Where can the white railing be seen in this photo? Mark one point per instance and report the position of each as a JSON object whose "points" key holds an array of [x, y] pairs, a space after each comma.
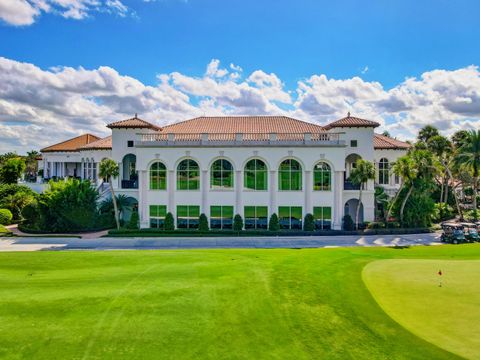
{"points": [[239, 138]]}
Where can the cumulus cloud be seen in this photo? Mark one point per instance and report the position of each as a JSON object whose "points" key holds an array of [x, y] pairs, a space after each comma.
{"points": [[25, 12], [42, 106]]}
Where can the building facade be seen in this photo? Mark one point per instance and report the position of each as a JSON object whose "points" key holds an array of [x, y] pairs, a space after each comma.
{"points": [[249, 165]]}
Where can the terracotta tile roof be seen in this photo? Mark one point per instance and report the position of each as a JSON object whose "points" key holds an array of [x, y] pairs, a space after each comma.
{"points": [[385, 142], [351, 121], [102, 144], [242, 124], [133, 123], [72, 144]]}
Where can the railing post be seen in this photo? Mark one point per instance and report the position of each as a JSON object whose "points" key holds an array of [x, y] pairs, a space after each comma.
{"points": [[204, 138], [307, 137], [272, 137], [238, 137]]}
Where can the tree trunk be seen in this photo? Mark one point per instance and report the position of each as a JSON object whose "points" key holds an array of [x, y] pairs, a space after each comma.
{"points": [[358, 207], [114, 199], [457, 203], [475, 192], [445, 196], [441, 190], [395, 198], [404, 202]]}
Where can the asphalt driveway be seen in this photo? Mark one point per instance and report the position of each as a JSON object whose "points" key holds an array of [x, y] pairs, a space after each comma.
{"points": [[44, 243]]}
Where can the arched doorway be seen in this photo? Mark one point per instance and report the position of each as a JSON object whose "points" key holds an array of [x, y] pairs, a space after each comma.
{"points": [[350, 164], [129, 172], [351, 209], [127, 207]]}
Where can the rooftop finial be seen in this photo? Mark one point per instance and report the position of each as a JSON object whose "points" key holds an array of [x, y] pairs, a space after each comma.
{"points": [[348, 114], [135, 115]]}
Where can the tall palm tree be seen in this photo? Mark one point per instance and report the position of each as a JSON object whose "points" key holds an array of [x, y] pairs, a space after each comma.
{"points": [[363, 172], [404, 168], [468, 156], [108, 170], [427, 132]]}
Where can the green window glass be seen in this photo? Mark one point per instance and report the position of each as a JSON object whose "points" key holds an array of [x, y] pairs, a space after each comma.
{"points": [[221, 175], [187, 216], [157, 216], [290, 217], [221, 217], [256, 217], [383, 172], [322, 177], [188, 175], [290, 175], [255, 175], [322, 216], [158, 176]]}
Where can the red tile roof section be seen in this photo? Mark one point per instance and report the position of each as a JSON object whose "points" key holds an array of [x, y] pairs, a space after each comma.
{"points": [[133, 123], [72, 144], [385, 142], [102, 144], [351, 121], [242, 124]]}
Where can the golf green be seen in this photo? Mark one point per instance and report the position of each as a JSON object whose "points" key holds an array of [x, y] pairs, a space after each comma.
{"points": [[438, 300], [211, 304]]}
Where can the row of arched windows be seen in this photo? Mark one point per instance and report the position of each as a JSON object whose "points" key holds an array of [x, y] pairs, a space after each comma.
{"points": [[255, 175]]}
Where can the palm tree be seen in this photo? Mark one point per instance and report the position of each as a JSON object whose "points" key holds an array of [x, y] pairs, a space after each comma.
{"points": [[427, 132], [404, 168], [468, 156], [108, 170], [363, 172]]}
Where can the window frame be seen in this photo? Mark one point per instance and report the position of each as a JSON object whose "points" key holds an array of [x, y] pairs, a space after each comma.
{"points": [[257, 175], [189, 179], [222, 172], [157, 173], [384, 172], [321, 173], [226, 221], [291, 209], [286, 176], [320, 219], [191, 217], [256, 218], [157, 216]]}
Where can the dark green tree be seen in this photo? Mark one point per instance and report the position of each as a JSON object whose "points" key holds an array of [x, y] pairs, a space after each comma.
{"points": [[203, 223], [12, 170], [169, 222], [237, 223], [134, 221], [309, 223], [273, 224]]}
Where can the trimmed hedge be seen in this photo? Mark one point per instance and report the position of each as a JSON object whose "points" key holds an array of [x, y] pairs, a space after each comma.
{"points": [[250, 233], [6, 216]]}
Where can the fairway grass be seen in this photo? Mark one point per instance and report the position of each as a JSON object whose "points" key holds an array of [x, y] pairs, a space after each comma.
{"points": [[205, 304], [447, 315]]}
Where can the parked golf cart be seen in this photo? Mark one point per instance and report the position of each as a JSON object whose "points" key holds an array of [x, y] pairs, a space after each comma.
{"points": [[452, 233], [471, 232]]}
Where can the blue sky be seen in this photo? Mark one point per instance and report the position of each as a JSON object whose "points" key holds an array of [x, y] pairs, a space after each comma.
{"points": [[379, 41]]}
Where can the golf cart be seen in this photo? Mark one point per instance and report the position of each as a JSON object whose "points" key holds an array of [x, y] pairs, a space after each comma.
{"points": [[452, 233], [471, 232]]}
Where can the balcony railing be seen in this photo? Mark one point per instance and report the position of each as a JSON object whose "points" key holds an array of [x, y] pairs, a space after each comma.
{"points": [[348, 185], [240, 139], [129, 184]]}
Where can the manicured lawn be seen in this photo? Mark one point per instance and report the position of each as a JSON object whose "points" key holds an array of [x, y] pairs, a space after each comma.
{"points": [[447, 315], [204, 304]]}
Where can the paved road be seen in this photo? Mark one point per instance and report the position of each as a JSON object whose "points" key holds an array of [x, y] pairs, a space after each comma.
{"points": [[42, 243]]}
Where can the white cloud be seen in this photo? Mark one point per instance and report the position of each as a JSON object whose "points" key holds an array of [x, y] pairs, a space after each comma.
{"points": [[25, 12], [41, 106]]}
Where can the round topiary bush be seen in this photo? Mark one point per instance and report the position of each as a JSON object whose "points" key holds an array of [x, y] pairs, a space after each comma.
{"points": [[203, 223], [237, 222], [169, 222], [309, 223], [348, 223], [273, 224], [5, 216]]}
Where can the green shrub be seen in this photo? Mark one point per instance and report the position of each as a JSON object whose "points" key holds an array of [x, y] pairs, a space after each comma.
{"points": [[273, 224], [376, 225], [169, 222], [5, 216], [237, 223], [442, 212], [30, 213], [12, 170], [134, 221], [348, 223], [471, 215], [202, 223], [309, 223], [392, 225]]}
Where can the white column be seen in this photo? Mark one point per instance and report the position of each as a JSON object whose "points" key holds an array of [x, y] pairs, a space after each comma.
{"points": [[338, 200], [171, 186], [45, 168], [120, 175], [308, 192], [142, 200], [238, 192], [204, 188], [273, 192]]}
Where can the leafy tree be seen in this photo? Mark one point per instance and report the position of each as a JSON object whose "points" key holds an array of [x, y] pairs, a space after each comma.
{"points": [[468, 157], [363, 172], [203, 222], [108, 169], [427, 132], [348, 223], [15, 197], [5, 216], [309, 223], [169, 222], [386, 133], [237, 223], [12, 170], [273, 223], [459, 138], [381, 201], [31, 164]]}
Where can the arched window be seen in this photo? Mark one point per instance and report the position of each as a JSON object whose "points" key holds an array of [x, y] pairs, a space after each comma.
{"points": [[188, 175], [158, 176], [255, 175], [290, 175], [322, 177], [383, 172], [221, 174]]}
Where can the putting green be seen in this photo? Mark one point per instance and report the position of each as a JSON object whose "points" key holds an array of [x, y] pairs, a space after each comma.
{"points": [[447, 315]]}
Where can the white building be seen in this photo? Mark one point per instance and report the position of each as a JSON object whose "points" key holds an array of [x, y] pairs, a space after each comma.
{"points": [[251, 165]]}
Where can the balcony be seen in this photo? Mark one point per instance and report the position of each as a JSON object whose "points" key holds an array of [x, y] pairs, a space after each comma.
{"points": [[129, 184], [240, 139], [348, 185]]}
